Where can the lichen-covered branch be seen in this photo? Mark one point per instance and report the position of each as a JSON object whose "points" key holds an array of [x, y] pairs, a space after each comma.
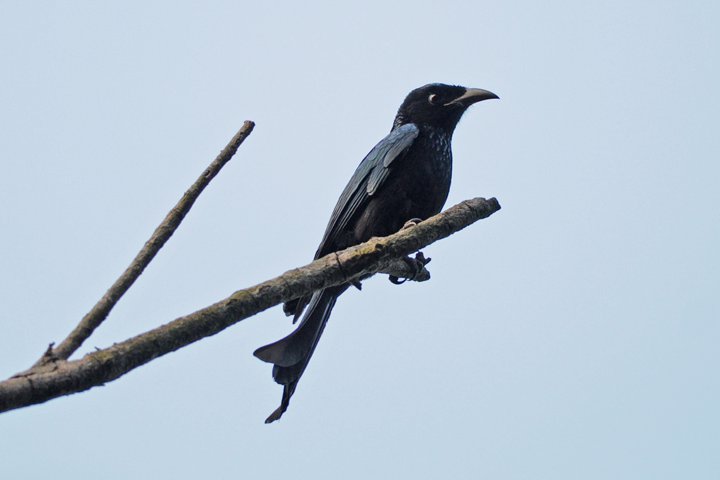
{"points": [[162, 234], [59, 377]]}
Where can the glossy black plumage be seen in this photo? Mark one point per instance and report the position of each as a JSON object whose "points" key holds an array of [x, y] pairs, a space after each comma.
{"points": [[405, 176]]}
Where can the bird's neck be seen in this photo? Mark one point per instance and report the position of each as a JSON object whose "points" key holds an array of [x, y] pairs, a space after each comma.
{"points": [[440, 139], [427, 129]]}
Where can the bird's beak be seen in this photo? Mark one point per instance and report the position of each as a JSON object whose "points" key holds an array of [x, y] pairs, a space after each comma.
{"points": [[472, 95]]}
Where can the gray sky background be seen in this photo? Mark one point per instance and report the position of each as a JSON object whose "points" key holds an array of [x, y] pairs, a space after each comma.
{"points": [[574, 334]]}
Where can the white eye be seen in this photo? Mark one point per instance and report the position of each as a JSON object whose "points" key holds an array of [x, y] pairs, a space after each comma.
{"points": [[432, 99]]}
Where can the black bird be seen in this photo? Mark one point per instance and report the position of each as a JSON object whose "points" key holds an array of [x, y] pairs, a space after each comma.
{"points": [[406, 176]]}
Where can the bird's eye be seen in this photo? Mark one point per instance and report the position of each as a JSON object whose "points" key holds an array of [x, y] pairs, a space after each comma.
{"points": [[432, 99]]}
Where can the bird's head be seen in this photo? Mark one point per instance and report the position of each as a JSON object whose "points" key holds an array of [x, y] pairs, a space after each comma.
{"points": [[439, 105]]}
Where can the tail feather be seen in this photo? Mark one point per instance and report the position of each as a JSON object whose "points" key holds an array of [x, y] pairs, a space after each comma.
{"points": [[292, 354], [288, 391], [295, 347]]}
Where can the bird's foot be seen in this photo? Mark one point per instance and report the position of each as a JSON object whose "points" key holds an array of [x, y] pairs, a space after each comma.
{"points": [[411, 223], [417, 269]]}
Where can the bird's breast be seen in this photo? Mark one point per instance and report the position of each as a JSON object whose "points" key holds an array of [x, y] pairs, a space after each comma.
{"points": [[429, 171]]}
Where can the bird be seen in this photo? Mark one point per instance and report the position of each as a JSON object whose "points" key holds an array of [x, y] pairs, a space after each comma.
{"points": [[405, 177]]}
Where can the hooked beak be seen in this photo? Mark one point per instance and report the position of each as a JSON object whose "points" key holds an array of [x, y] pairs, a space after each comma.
{"points": [[472, 95]]}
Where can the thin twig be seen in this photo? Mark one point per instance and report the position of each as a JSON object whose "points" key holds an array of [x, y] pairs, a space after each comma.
{"points": [[162, 234], [62, 377]]}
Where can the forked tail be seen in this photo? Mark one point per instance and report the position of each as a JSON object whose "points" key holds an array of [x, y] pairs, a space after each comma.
{"points": [[291, 354]]}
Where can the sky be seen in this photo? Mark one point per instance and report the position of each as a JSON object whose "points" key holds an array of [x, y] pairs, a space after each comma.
{"points": [[573, 334]]}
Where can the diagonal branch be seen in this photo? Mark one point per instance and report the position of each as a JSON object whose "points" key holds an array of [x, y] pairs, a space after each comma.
{"points": [[162, 234], [61, 377]]}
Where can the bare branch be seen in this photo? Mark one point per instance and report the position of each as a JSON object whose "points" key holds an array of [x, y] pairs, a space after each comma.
{"points": [[61, 377], [162, 234]]}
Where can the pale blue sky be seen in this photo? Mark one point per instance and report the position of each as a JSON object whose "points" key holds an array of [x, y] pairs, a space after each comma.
{"points": [[574, 334]]}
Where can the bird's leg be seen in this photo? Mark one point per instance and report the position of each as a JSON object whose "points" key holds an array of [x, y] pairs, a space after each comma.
{"points": [[415, 265]]}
